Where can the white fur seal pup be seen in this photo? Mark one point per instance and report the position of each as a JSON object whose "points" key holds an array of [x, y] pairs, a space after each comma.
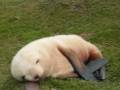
{"points": [[45, 57]]}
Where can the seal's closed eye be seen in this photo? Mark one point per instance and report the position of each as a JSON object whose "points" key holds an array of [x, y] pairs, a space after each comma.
{"points": [[37, 61]]}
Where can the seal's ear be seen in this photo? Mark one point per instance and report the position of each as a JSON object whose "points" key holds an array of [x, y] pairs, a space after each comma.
{"points": [[73, 59]]}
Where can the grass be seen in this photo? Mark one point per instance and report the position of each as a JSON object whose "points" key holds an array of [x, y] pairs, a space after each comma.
{"points": [[22, 21]]}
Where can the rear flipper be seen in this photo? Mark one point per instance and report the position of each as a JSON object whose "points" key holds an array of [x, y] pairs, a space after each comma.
{"points": [[85, 71], [100, 74], [95, 70]]}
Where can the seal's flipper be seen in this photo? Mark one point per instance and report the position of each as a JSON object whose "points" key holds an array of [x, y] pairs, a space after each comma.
{"points": [[94, 70], [83, 71], [100, 73], [103, 73], [94, 65], [74, 60], [79, 67], [97, 67]]}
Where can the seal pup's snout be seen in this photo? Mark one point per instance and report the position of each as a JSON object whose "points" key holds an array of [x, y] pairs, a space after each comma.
{"points": [[36, 78]]}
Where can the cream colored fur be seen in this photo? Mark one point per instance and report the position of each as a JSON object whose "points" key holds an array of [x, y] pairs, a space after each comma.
{"points": [[52, 63]]}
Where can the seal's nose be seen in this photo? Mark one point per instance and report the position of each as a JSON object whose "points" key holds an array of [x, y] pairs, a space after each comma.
{"points": [[36, 77]]}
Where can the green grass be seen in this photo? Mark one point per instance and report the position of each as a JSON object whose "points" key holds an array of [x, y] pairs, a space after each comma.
{"points": [[22, 21]]}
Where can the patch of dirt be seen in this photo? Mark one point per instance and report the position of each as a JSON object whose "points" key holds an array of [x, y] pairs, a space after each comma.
{"points": [[86, 35]]}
